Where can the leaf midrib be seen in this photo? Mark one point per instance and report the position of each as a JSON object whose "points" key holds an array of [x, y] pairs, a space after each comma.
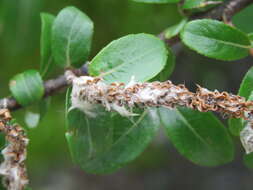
{"points": [[125, 134], [192, 129], [221, 41], [69, 39], [27, 88], [129, 61]]}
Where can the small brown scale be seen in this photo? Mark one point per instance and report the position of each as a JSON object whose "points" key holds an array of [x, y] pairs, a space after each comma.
{"points": [[202, 100]]}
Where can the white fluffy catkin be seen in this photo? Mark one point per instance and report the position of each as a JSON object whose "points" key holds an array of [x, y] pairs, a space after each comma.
{"points": [[89, 91]]}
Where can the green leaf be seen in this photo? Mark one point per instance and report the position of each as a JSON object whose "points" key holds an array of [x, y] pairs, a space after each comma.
{"points": [[193, 4], [245, 90], [175, 29], [27, 87], [68, 101], [109, 141], [246, 86], [2, 142], [44, 106], [106, 143], [240, 19], [157, 1], [87, 137], [215, 39], [140, 55], [250, 35], [235, 126], [71, 37], [46, 62], [200, 137], [167, 70]]}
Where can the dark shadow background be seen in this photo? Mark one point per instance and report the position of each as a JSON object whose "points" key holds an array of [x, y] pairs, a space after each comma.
{"points": [[160, 167]]}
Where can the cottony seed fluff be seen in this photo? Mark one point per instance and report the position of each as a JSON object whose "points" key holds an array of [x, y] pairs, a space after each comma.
{"points": [[88, 91]]}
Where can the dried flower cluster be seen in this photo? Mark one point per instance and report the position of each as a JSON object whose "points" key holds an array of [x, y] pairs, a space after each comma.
{"points": [[13, 167], [119, 97], [88, 91]]}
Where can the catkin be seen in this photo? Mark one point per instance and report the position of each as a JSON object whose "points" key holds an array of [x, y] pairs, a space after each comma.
{"points": [[88, 91]]}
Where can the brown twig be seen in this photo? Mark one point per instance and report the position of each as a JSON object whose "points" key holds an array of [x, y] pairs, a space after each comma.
{"points": [[224, 12], [51, 87], [229, 8]]}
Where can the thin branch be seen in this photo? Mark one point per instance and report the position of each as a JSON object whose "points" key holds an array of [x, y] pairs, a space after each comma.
{"points": [[229, 8], [223, 12], [53, 86]]}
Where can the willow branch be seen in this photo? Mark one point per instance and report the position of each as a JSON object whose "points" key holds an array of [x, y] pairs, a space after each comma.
{"points": [[53, 86], [224, 12]]}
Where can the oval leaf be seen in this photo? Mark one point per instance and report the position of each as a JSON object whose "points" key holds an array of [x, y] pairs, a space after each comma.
{"points": [[195, 4], [167, 70], [27, 87], [174, 30], [128, 56], [251, 38], [157, 1], [71, 37], [200, 137], [45, 43], [235, 126], [107, 142], [245, 90], [246, 86], [215, 39]]}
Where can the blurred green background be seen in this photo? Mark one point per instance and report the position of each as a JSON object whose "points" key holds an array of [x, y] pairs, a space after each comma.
{"points": [[160, 166]]}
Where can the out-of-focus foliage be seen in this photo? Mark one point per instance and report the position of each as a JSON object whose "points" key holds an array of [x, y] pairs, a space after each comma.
{"points": [[20, 27], [242, 19], [19, 50]]}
